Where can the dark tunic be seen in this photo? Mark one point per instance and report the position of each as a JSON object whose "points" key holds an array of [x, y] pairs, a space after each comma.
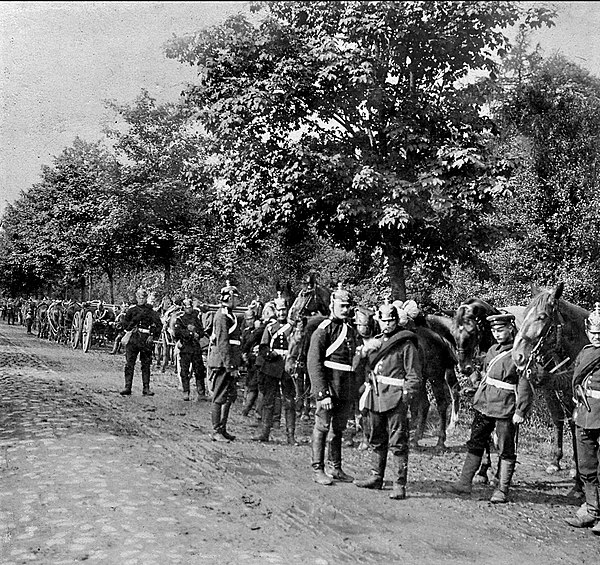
{"points": [[587, 374]]}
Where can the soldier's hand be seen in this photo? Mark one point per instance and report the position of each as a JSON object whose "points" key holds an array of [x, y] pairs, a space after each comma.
{"points": [[326, 403], [517, 419]]}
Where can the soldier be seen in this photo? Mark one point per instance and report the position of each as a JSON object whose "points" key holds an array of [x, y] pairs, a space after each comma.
{"points": [[251, 338], [274, 379], [586, 416], [329, 365], [188, 333], [142, 326], [502, 401], [224, 359], [393, 376]]}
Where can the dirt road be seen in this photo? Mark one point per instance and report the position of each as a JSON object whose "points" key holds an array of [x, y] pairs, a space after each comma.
{"points": [[87, 475]]}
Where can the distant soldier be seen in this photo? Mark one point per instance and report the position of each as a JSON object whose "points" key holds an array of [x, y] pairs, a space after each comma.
{"points": [[142, 326], [188, 333], [393, 376], [329, 365], [586, 385], [224, 360], [274, 379], [251, 337]]}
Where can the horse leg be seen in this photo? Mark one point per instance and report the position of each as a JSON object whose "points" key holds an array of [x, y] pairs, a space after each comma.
{"points": [[440, 393], [419, 410], [558, 416]]}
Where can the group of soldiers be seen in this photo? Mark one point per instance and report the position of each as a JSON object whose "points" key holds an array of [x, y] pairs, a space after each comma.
{"points": [[355, 362]]}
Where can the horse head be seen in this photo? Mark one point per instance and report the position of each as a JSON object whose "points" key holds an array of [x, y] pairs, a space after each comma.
{"points": [[471, 332], [552, 332]]}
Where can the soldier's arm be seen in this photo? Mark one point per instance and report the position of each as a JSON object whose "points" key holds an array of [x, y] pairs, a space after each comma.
{"points": [[315, 366], [412, 368]]}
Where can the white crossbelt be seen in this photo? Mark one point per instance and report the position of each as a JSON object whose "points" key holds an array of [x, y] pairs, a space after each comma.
{"points": [[235, 342], [338, 366], [592, 393], [501, 384], [389, 380], [282, 352]]}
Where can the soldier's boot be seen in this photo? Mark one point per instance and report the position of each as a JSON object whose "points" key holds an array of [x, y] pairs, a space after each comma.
{"points": [[589, 512], [224, 417], [290, 424], [128, 384], [266, 424], [249, 400], [201, 387], [464, 485], [375, 481], [399, 488], [500, 494], [146, 384], [335, 470], [319, 439], [215, 415], [258, 409]]}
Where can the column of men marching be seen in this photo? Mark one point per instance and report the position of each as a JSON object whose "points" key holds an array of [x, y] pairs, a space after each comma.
{"points": [[350, 364]]}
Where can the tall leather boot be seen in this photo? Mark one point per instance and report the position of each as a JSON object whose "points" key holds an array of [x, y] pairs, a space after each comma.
{"points": [[215, 415], [290, 424], [266, 424], [589, 511], [277, 412], [335, 461], [375, 481], [507, 468], [128, 384], [399, 488], [224, 417], [319, 440], [464, 485]]}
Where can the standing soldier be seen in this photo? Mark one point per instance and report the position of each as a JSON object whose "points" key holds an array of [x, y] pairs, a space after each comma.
{"points": [[586, 385], [501, 402], [251, 338], [188, 332], [329, 365], [224, 359], [142, 326], [393, 376], [273, 376]]}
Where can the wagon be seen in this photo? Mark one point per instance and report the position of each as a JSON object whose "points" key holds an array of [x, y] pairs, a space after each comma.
{"points": [[87, 329]]}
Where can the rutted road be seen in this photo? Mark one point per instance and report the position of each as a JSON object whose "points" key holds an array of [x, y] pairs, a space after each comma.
{"points": [[90, 475]]}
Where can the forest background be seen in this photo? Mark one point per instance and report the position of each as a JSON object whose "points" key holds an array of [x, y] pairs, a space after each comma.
{"points": [[407, 149]]}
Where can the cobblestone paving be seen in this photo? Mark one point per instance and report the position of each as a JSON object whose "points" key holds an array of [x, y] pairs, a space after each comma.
{"points": [[74, 490]]}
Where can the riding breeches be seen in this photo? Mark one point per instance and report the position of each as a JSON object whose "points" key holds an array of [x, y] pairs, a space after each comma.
{"points": [[588, 454], [481, 433], [389, 431]]}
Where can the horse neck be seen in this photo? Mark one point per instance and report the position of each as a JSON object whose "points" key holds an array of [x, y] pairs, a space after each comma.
{"points": [[573, 336]]}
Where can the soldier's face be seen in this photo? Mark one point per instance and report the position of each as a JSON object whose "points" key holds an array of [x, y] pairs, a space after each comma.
{"points": [[502, 334], [281, 314], [141, 299], [594, 338], [389, 325], [341, 309]]}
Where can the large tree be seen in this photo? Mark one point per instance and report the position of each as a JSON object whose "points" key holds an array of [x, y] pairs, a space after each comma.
{"points": [[357, 118]]}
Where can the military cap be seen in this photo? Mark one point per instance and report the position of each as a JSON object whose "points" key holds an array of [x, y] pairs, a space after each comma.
{"points": [[142, 293], [592, 324], [501, 320]]}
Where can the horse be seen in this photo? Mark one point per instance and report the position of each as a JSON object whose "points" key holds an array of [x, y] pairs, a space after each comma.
{"points": [[54, 315], [165, 347], [41, 320], [550, 337]]}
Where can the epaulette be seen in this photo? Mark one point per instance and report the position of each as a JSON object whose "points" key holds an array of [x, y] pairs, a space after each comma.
{"points": [[324, 324]]}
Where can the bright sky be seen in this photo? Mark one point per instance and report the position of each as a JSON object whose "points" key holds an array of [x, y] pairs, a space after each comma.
{"points": [[60, 60]]}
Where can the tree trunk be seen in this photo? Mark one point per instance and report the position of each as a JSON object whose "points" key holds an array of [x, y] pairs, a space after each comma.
{"points": [[111, 284], [395, 271], [168, 278]]}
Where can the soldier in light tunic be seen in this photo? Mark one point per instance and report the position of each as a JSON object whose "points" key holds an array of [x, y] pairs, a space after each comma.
{"points": [[586, 387], [329, 365]]}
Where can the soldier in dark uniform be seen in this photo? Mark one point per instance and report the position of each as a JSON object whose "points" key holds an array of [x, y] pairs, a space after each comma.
{"points": [[586, 386], [188, 332], [502, 401], [274, 379], [224, 360], [393, 376], [251, 338], [329, 365], [142, 326]]}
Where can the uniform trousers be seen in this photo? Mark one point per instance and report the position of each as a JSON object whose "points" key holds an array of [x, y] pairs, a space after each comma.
{"points": [[190, 363], [132, 350], [588, 454], [389, 431], [481, 433]]}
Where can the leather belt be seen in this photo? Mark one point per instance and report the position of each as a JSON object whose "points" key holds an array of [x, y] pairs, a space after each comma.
{"points": [[389, 380], [592, 393], [142, 330], [338, 366], [500, 384], [235, 342]]}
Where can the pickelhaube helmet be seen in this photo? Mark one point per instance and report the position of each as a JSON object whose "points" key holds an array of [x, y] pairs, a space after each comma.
{"points": [[280, 302], [592, 324], [228, 291], [390, 311], [341, 295]]}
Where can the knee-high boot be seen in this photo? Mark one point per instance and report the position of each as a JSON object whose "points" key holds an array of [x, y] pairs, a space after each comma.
{"points": [[290, 424], [464, 485], [266, 424], [319, 439], [335, 460], [507, 468], [215, 415], [375, 481], [399, 488], [224, 416]]}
